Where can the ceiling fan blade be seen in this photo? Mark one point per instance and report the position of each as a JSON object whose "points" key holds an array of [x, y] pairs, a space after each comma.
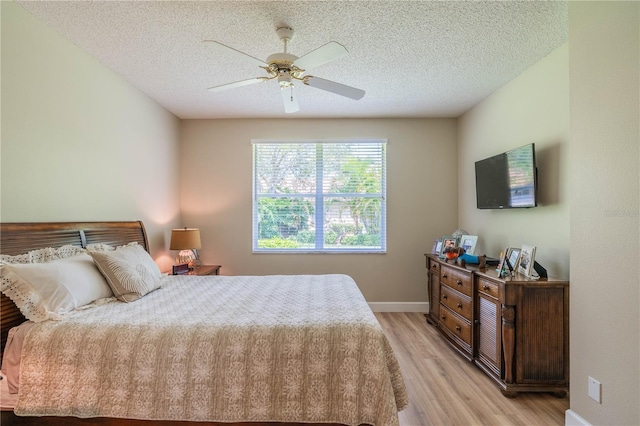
{"points": [[290, 99], [321, 56], [236, 84], [333, 87], [238, 54]]}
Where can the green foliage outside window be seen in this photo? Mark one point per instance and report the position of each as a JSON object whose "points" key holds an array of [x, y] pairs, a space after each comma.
{"points": [[283, 217]]}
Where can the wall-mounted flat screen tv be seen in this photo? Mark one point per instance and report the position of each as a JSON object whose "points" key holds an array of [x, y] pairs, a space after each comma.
{"points": [[507, 180]]}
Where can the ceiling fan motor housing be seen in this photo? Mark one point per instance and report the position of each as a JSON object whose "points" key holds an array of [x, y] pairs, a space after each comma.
{"points": [[281, 60], [281, 64]]}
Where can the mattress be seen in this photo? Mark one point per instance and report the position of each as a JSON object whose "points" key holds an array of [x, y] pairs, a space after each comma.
{"points": [[288, 348]]}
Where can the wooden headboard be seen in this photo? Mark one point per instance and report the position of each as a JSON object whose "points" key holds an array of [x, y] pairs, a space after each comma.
{"points": [[19, 238]]}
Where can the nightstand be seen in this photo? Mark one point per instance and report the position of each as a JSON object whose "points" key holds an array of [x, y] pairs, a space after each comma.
{"points": [[206, 270]]}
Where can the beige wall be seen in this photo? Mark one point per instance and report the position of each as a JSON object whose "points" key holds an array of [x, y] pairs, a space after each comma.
{"points": [[216, 171], [532, 108], [605, 280], [78, 142]]}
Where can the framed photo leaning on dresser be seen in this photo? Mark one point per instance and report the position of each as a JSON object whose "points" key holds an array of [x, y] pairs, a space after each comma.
{"points": [[527, 257], [448, 241], [503, 255], [509, 264], [468, 243], [437, 246]]}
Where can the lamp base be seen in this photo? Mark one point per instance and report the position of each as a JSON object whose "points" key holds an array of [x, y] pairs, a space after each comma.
{"points": [[187, 256]]}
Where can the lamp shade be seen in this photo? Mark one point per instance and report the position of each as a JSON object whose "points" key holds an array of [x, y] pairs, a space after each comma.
{"points": [[185, 239]]}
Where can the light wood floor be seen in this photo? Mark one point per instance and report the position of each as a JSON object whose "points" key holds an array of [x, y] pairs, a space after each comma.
{"points": [[446, 389]]}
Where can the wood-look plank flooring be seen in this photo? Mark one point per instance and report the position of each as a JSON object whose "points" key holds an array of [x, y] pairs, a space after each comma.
{"points": [[446, 389]]}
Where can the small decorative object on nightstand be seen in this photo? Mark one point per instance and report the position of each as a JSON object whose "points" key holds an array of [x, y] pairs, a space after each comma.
{"points": [[206, 270], [180, 269]]}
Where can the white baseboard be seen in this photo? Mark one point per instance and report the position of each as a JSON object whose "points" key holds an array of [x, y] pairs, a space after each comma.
{"points": [[571, 418], [399, 306]]}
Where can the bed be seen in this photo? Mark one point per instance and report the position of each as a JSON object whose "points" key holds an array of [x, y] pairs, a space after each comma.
{"points": [[289, 349]]}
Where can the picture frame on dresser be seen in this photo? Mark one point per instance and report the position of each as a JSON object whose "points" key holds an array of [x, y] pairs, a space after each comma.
{"points": [[468, 243], [527, 259], [437, 246], [448, 241], [511, 259], [503, 256]]}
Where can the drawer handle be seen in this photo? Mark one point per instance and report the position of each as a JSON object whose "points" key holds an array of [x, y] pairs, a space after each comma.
{"points": [[444, 296], [443, 317], [444, 276], [459, 282], [460, 305], [485, 287], [433, 266], [458, 328]]}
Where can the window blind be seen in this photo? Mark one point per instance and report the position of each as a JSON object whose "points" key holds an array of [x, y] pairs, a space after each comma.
{"points": [[319, 196]]}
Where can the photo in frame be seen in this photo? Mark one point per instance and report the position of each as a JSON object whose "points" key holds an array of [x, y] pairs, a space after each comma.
{"points": [[468, 243], [448, 241], [511, 258], [437, 246], [527, 257], [503, 256]]}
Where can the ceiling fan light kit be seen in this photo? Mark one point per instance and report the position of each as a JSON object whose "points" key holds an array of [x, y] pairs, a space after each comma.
{"points": [[287, 68]]}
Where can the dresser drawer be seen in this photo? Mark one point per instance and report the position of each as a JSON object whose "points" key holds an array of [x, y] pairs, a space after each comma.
{"points": [[459, 280], [488, 287], [456, 302], [456, 325], [434, 266]]}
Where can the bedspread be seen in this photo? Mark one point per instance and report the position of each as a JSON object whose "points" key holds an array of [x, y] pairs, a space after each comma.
{"points": [[288, 348]]}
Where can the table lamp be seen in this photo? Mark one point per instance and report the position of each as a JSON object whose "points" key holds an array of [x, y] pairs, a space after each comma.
{"points": [[187, 240]]}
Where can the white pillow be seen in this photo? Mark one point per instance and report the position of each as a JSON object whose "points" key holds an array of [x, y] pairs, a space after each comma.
{"points": [[129, 270], [42, 255], [48, 290]]}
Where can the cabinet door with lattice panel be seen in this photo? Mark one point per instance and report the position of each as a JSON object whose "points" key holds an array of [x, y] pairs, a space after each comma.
{"points": [[488, 327]]}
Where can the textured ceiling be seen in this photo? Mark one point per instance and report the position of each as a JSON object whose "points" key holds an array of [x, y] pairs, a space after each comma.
{"points": [[413, 58]]}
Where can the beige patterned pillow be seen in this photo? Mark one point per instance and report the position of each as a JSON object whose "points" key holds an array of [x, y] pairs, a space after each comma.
{"points": [[129, 270]]}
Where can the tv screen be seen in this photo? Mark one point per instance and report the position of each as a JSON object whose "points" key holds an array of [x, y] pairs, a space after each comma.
{"points": [[507, 180]]}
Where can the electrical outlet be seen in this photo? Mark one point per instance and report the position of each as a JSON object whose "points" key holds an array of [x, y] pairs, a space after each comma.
{"points": [[595, 390]]}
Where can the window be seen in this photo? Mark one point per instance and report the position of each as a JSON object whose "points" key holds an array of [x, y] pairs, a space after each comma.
{"points": [[319, 196]]}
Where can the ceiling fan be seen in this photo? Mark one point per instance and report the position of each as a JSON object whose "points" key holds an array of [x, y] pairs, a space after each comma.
{"points": [[288, 68]]}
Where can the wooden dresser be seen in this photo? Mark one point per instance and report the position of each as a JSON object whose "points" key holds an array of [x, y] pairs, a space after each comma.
{"points": [[515, 329]]}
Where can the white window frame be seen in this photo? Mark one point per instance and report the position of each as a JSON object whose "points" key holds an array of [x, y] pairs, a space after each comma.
{"points": [[319, 197]]}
